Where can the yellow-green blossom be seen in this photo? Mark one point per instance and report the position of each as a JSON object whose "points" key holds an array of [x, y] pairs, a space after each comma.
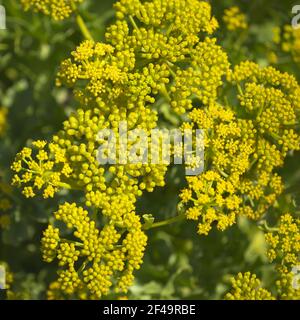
{"points": [[234, 19], [57, 9], [246, 286], [284, 242], [99, 258]]}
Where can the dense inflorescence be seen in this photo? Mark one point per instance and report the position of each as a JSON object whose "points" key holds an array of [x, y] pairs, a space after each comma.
{"points": [[247, 287], [244, 145], [57, 9], [161, 53], [288, 285], [288, 40], [111, 252], [234, 19], [284, 242], [284, 250], [145, 56], [155, 49]]}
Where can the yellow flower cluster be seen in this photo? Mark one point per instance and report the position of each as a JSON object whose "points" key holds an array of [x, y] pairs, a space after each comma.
{"points": [[217, 195], [246, 286], [290, 42], [234, 19], [106, 75], [163, 36], [41, 170], [284, 243], [97, 256], [272, 99], [167, 34], [156, 50], [234, 182], [200, 80], [54, 292], [71, 162], [57, 9], [288, 286], [102, 72], [284, 249], [153, 48], [161, 50], [185, 17], [244, 144]]}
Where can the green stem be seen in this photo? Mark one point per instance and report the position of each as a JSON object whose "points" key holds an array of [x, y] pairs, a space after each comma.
{"points": [[252, 163], [133, 23], [240, 90], [68, 185], [170, 67], [81, 24], [165, 92], [166, 222], [222, 173], [65, 185], [83, 28], [169, 30], [76, 243], [94, 215], [264, 226], [82, 266], [291, 123]]}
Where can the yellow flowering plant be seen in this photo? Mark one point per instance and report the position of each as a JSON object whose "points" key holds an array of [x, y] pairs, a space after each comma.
{"points": [[159, 65]]}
